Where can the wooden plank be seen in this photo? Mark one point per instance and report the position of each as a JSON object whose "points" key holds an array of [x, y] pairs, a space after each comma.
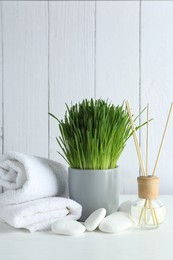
{"points": [[1, 83], [117, 69], [71, 58], [157, 82], [1, 86], [25, 52]]}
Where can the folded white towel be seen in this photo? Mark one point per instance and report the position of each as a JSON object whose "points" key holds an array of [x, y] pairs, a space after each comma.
{"points": [[27, 178], [40, 214]]}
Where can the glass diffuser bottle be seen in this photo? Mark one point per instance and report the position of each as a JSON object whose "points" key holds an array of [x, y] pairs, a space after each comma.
{"points": [[147, 211]]}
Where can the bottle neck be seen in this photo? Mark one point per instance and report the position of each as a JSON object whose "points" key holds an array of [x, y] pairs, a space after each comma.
{"points": [[148, 187]]}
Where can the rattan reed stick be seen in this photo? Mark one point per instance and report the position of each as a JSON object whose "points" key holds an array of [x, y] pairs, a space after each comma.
{"points": [[161, 144], [142, 211], [155, 214], [135, 139], [146, 212], [152, 213], [147, 140]]}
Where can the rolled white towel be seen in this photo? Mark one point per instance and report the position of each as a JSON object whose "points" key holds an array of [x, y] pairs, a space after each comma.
{"points": [[27, 178], [40, 214]]}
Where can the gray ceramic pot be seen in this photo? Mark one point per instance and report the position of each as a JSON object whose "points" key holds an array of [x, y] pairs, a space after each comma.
{"points": [[94, 189]]}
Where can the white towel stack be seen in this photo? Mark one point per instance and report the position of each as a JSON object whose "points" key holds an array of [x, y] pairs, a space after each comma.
{"points": [[30, 183]]}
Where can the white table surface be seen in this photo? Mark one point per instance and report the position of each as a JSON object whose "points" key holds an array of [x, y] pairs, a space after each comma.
{"points": [[133, 244]]}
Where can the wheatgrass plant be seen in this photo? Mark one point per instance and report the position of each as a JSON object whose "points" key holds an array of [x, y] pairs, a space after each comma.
{"points": [[93, 134]]}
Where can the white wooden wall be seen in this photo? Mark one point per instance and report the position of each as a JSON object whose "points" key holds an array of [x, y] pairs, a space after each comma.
{"points": [[52, 53]]}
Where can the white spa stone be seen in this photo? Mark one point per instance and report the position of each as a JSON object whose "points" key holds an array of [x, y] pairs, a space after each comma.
{"points": [[126, 206], [67, 227], [116, 222], [93, 221]]}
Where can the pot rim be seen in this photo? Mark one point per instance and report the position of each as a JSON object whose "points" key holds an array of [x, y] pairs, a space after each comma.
{"points": [[94, 170]]}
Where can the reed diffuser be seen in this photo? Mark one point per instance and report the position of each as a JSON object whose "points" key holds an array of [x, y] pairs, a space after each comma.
{"points": [[147, 211]]}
